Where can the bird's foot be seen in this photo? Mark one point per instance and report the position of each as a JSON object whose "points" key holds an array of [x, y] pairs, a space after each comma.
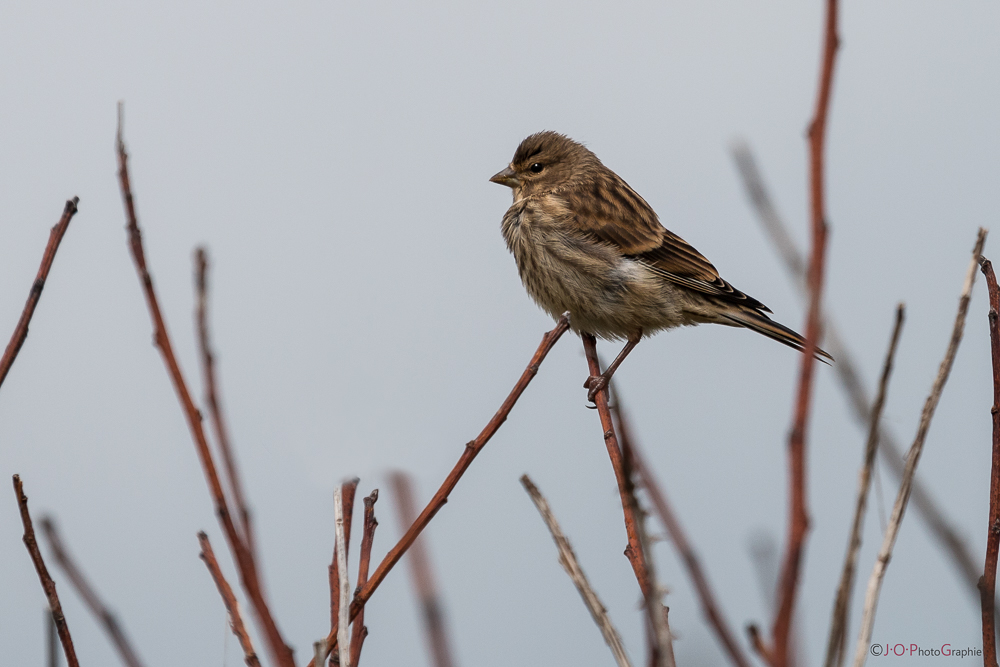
{"points": [[595, 383]]}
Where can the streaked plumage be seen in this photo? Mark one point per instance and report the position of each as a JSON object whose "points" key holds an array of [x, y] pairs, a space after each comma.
{"points": [[587, 243]]}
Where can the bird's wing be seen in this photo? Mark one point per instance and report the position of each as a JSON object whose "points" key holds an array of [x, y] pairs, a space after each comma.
{"points": [[611, 211]]}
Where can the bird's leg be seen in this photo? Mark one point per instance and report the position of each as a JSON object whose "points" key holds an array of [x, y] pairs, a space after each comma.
{"points": [[595, 383]]}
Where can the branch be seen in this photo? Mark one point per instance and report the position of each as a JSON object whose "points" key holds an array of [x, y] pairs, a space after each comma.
{"points": [[567, 558], [232, 606], [798, 524], [472, 448], [837, 645], [710, 607], [421, 575], [635, 551], [359, 631], [48, 585], [660, 639], [214, 411], [347, 491], [912, 458], [338, 504], [988, 582], [280, 652], [89, 595], [21, 330], [941, 528]]}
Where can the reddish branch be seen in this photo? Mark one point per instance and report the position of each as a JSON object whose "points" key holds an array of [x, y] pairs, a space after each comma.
{"points": [[422, 576], [710, 607], [359, 631], [634, 551], [988, 582], [89, 595], [236, 622], [472, 449], [214, 411], [21, 330], [798, 524], [941, 527], [280, 652], [48, 585]]}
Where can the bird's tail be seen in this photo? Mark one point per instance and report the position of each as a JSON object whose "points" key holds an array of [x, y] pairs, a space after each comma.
{"points": [[762, 324]]}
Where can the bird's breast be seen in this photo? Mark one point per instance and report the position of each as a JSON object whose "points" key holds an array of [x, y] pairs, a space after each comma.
{"points": [[564, 269]]}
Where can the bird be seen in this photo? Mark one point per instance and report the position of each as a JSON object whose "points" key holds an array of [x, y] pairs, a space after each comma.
{"points": [[586, 243]]}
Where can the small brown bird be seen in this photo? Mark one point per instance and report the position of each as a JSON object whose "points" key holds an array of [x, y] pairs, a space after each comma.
{"points": [[587, 243]]}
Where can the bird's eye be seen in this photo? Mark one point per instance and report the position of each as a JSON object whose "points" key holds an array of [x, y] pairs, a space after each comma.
{"points": [[536, 168]]}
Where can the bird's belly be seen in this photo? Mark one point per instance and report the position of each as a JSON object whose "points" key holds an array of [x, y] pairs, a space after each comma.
{"points": [[605, 293]]}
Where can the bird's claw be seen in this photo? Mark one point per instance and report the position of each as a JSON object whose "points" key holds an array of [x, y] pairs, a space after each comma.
{"points": [[594, 384]]}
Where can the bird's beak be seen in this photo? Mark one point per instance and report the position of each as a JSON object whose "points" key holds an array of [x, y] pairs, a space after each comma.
{"points": [[507, 177]]}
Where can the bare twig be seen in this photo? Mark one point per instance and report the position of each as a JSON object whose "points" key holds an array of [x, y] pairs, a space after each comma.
{"points": [[212, 401], [798, 524], [232, 606], [89, 595], [472, 448], [988, 582], [710, 607], [280, 652], [635, 551], [347, 491], [342, 641], [48, 585], [567, 558], [660, 639], [912, 458], [421, 576], [21, 330], [837, 644], [954, 545], [358, 630]]}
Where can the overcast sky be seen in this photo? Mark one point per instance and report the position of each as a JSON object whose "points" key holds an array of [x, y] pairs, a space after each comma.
{"points": [[334, 158]]}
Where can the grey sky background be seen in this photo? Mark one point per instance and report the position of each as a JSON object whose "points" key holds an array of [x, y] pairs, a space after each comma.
{"points": [[367, 316]]}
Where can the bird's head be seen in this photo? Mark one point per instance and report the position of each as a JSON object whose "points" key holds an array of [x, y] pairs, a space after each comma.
{"points": [[546, 161]]}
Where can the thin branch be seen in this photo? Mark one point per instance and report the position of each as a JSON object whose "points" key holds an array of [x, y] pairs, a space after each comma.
{"points": [[836, 648], [21, 330], [104, 615], [988, 582], [280, 652], [567, 558], [232, 606], [710, 607], [421, 575], [215, 412], [347, 492], [338, 504], [472, 448], [48, 585], [660, 640], [912, 458], [635, 551], [358, 630], [954, 545], [798, 523]]}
